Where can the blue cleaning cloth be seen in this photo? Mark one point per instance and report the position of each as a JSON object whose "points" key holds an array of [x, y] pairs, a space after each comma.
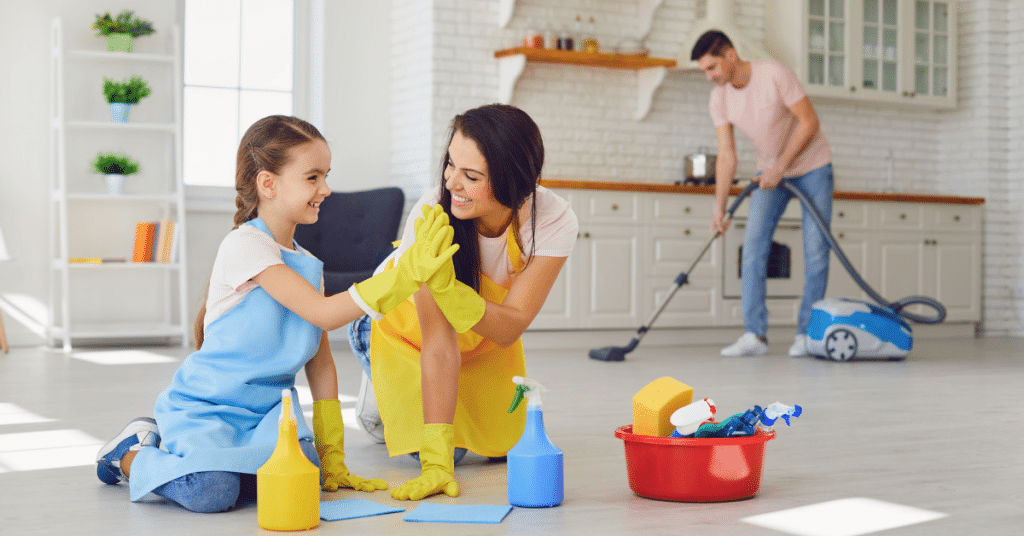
{"points": [[447, 513], [353, 508]]}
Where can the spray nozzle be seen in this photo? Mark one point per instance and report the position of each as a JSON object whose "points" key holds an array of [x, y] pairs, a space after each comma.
{"points": [[286, 407], [526, 387]]}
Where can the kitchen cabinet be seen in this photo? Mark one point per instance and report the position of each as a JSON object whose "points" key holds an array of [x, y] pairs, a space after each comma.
{"points": [[930, 250], [673, 239], [632, 245], [599, 287], [885, 51]]}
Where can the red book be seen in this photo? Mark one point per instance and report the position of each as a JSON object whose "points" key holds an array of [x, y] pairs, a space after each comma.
{"points": [[145, 233]]}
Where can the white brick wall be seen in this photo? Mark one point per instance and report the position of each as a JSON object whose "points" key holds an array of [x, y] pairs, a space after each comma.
{"points": [[586, 114]]}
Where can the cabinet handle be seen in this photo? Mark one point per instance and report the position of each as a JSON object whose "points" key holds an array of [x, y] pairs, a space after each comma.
{"points": [[686, 210], [842, 236], [842, 214], [586, 235], [853, 88], [615, 207], [903, 216], [686, 232], [956, 218], [931, 242]]}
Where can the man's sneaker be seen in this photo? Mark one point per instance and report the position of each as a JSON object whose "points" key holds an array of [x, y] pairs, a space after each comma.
{"points": [[799, 348], [367, 414], [141, 432], [747, 344]]}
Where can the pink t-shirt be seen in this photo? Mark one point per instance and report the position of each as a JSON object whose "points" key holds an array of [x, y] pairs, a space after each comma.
{"points": [[761, 111]]}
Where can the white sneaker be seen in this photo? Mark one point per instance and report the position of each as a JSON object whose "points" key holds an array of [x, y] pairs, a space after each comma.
{"points": [[747, 344], [799, 348], [367, 414]]}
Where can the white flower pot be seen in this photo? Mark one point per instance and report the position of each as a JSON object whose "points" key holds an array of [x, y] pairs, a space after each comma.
{"points": [[116, 183]]}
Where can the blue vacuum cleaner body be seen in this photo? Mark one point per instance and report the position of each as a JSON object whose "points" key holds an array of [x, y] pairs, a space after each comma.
{"points": [[844, 328]]}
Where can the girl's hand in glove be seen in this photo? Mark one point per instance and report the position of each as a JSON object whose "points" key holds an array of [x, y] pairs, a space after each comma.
{"points": [[329, 435]]}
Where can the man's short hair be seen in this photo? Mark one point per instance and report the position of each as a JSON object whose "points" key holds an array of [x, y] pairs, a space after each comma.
{"points": [[713, 42]]}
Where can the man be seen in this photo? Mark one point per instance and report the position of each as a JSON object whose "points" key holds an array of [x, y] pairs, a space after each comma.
{"points": [[765, 101]]}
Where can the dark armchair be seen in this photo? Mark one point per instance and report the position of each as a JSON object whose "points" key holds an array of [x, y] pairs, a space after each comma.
{"points": [[353, 235]]}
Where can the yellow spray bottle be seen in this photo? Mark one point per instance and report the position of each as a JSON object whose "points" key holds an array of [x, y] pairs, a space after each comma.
{"points": [[288, 485]]}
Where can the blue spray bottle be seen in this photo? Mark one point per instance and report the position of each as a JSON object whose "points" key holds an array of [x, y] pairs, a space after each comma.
{"points": [[535, 463]]}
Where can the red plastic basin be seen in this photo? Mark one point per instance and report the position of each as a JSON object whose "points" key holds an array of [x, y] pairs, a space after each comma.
{"points": [[694, 470]]}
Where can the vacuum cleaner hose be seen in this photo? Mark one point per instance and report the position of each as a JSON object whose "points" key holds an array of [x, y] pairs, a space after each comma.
{"points": [[897, 306]]}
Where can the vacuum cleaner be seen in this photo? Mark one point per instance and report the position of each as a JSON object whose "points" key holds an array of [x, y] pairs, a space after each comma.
{"points": [[840, 328]]}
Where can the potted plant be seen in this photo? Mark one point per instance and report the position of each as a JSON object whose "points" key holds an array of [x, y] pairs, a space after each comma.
{"points": [[120, 30], [115, 168], [121, 95]]}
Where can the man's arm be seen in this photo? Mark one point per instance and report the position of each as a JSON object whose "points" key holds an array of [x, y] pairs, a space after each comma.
{"points": [[725, 172]]}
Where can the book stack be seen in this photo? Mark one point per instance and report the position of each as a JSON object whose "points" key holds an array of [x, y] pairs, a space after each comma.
{"points": [[156, 241]]}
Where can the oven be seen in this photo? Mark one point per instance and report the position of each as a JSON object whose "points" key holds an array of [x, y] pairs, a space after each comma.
{"points": [[785, 263]]}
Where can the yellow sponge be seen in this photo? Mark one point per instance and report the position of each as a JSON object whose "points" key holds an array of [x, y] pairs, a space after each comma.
{"points": [[654, 404]]}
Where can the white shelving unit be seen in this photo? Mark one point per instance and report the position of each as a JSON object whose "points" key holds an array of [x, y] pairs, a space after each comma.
{"points": [[116, 300]]}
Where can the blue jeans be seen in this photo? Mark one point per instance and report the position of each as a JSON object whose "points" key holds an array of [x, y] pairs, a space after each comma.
{"points": [[216, 491], [766, 208], [359, 340]]}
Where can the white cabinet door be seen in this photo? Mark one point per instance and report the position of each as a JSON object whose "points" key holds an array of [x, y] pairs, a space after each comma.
{"points": [[670, 250], [558, 311], [953, 276], [855, 246], [609, 289]]}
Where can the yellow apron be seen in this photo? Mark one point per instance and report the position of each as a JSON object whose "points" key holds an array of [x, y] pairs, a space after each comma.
{"points": [[482, 423]]}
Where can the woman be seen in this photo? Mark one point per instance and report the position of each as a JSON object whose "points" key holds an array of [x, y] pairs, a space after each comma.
{"points": [[442, 363]]}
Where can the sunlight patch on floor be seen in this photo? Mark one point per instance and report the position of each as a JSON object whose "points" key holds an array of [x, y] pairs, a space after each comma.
{"points": [[843, 517], [31, 451], [122, 357]]}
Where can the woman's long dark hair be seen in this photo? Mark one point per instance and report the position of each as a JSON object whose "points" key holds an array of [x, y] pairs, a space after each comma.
{"points": [[512, 147]]}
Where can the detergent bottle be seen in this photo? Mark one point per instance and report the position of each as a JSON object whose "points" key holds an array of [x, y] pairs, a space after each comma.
{"points": [[288, 485], [534, 463]]}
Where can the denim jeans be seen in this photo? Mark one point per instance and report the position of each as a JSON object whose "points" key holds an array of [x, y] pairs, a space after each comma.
{"points": [[359, 340], [216, 491], [766, 208]]}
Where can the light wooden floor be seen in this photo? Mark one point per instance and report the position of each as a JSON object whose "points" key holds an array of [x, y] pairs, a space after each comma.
{"points": [[941, 431]]}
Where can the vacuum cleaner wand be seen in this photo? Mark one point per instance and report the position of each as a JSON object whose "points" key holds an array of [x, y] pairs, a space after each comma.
{"points": [[618, 353]]}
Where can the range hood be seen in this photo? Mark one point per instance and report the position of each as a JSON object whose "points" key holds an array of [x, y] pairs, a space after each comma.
{"points": [[720, 16]]}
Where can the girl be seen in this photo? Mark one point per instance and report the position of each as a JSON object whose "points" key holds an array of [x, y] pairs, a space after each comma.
{"points": [[263, 321], [442, 364]]}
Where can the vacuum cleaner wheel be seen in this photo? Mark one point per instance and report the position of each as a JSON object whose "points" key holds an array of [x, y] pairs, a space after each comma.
{"points": [[841, 345]]}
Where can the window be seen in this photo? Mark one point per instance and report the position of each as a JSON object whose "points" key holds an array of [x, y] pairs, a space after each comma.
{"points": [[239, 66]]}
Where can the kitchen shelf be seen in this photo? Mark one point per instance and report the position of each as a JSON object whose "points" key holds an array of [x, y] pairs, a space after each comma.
{"points": [[650, 71], [611, 61]]}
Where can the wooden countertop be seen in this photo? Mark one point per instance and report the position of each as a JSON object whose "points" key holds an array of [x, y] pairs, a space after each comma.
{"points": [[710, 190]]}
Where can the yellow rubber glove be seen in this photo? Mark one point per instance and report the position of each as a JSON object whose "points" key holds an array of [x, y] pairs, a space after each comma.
{"points": [[461, 305], [432, 250], [329, 435], [438, 467]]}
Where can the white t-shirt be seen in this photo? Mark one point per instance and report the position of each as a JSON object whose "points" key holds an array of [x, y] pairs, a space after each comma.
{"points": [[556, 234], [243, 254]]}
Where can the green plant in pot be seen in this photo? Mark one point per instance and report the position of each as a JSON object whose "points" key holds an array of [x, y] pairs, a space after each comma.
{"points": [[120, 30], [115, 168], [121, 95]]}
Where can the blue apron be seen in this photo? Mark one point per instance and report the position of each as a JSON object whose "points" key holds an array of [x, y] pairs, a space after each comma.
{"points": [[221, 410]]}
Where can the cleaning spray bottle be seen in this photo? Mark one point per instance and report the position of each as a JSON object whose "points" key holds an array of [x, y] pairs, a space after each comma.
{"points": [[535, 463], [288, 485]]}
